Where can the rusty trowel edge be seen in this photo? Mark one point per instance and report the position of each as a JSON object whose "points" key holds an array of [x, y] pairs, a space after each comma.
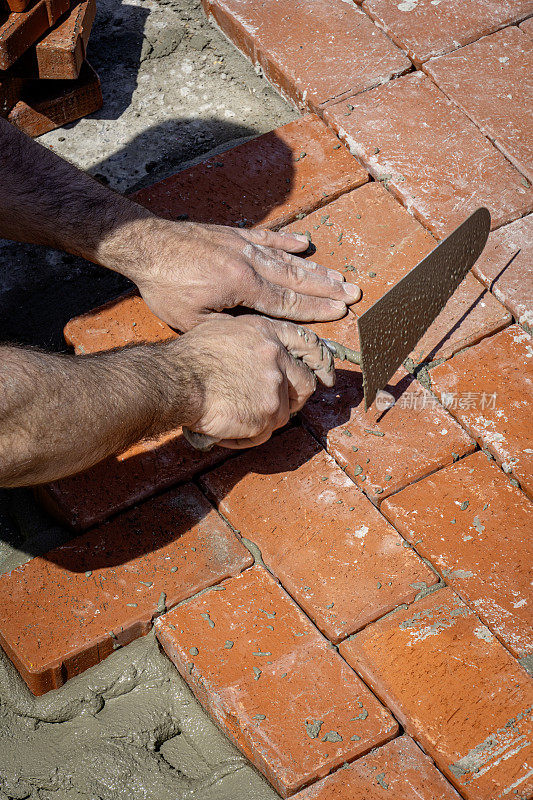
{"points": [[480, 223]]}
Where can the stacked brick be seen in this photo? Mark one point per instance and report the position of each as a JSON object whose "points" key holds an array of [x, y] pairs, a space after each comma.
{"points": [[45, 79], [364, 574]]}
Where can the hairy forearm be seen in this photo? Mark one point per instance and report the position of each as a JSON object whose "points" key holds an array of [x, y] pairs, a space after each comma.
{"points": [[60, 414], [48, 201]]}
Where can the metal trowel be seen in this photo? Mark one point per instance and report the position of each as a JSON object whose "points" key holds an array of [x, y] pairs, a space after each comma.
{"points": [[394, 324]]}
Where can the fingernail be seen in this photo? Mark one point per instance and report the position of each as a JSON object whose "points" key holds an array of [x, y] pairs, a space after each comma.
{"points": [[338, 305], [353, 291], [337, 276], [299, 236]]}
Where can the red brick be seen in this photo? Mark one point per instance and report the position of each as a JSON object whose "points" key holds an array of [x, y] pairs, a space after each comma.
{"points": [[498, 414], [10, 90], [506, 268], [475, 527], [489, 81], [119, 482], [313, 54], [271, 681], [327, 544], [424, 28], [66, 611], [527, 26], [46, 105], [374, 241], [398, 770], [60, 54], [267, 180], [430, 155], [17, 5], [381, 450], [126, 320], [20, 30], [456, 690]]}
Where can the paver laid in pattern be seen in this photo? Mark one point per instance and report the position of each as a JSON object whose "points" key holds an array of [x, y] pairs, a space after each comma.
{"points": [[506, 268], [399, 769], [410, 136], [491, 80], [488, 389], [456, 690], [273, 683], [425, 28], [475, 527], [329, 547], [314, 54], [65, 611]]}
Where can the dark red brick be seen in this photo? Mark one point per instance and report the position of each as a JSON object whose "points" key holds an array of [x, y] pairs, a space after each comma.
{"points": [[60, 54], [315, 53], [411, 137], [46, 105], [20, 30], [63, 612]]}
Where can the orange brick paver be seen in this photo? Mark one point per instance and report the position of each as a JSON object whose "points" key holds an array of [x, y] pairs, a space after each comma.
{"points": [[527, 26], [314, 53], [63, 612], [398, 770], [368, 236], [506, 268], [491, 81], [327, 544], [61, 52], [272, 682], [472, 524], [18, 31], [426, 28], [456, 690], [267, 181], [430, 155], [488, 388]]}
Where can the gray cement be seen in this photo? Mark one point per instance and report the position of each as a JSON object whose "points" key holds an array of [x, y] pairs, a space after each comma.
{"points": [[174, 91]]}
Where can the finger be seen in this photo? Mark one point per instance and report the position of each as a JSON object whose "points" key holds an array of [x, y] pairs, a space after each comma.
{"points": [[285, 303], [305, 277], [290, 242], [305, 346], [242, 444]]}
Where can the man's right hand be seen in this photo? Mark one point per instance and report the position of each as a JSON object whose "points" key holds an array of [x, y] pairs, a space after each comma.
{"points": [[250, 374]]}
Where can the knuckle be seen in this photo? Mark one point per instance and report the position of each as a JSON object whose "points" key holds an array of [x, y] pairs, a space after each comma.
{"points": [[290, 300]]}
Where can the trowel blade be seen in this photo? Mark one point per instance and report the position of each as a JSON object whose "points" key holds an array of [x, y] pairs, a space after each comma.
{"points": [[393, 326]]}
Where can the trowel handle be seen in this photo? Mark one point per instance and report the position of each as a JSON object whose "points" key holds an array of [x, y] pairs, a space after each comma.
{"points": [[200, 441], [343, 353]]}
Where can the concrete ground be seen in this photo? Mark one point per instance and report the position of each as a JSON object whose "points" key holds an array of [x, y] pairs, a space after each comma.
{"points": [[174, 90]]}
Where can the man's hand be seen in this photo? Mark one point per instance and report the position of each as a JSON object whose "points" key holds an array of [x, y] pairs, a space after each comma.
{"points": [[188, 271], [253, 373]]}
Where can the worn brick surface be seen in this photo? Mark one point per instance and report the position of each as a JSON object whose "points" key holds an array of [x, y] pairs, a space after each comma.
{"points": [[425, 28], [20, 30], [456, 690], [119, 482], [374, 241], [491, 80], [46, 105], [126, 320], [430, 155], [398, 770], [61, 52], [274, 684], [382, 450], [472, 524], [488, 388], [62, 612], [267, 181], [506, 268], [324, 540], [313, 53], [527, 26], [17, 5]]}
